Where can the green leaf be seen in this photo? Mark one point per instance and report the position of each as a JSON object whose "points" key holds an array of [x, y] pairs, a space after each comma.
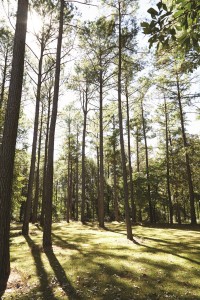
{"points": [[159, 5], [178, 13], [172, 31], [152, 12], [144, 24], [164, 7]]}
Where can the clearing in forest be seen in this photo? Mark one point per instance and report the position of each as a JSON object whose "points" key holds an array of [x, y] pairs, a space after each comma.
{"points": [[91, 263]]}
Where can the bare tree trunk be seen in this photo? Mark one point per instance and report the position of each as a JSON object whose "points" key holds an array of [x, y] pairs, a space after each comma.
{"points": [[167, 164], [3, 94], [29, 200], [77, 181], [85, 102], [97, 179], [133, 206], [4, 79], [187, 158], [147, 168], [37, 179], [7, 151], [123, 155], [45, 160], [138, 171], [47, 241], [101, 158], [116, 206], [68, 173]]}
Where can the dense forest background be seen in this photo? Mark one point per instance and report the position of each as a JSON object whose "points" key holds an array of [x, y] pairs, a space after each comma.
{"points": [[159, 110]]}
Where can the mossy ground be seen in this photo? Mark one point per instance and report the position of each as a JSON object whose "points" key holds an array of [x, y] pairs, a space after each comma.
{"points": [[92, 263]]}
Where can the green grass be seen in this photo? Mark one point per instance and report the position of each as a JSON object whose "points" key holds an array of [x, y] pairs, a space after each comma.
{"points": [[91, 263]]}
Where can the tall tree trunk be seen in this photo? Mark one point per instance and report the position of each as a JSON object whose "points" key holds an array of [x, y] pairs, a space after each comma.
{"points": [[147, 168], [116, 206], [97, 151], [47, 241], [7, 151], [187, 158], [101, 156], [68, 173], [85, 102], [3, 93], [133, 206], [45, 160], [4, 79], [123, 155], [138, 171], [29, 200], [77, 181], [167, 165], [37, 179]]}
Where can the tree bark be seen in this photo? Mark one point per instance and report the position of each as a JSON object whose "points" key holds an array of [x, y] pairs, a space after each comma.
{"points": [[69, 173], [47, 240], [45, 160], [3, 92], [138, 171], [7, 151], [147, 168], [4, 79], [29, 200], [116, 206], [101, 156], [187, 158], [133, 206], [85, 102], [167, 165], [123, 155], [77, 181], [37, 179]]}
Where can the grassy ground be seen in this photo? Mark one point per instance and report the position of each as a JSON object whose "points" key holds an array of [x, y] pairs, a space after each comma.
{"points": [[90, 263]]}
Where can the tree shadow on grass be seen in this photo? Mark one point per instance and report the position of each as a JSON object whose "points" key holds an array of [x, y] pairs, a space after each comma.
{"points": [[63, 281], [157, 250], [45, 287], [186, 227], [64, 244]]}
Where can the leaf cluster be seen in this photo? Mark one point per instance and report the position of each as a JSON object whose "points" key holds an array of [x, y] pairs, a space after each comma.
{"points": [[178, 22]]}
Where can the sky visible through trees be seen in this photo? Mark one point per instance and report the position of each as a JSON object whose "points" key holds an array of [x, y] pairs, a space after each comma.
{"points": [[87, 13]]}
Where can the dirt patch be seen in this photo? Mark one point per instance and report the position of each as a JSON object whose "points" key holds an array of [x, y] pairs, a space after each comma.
{"points": [[16, 282]]}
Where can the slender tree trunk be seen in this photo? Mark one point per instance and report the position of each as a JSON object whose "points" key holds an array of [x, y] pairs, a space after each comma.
{"points": [[68, 173], [147, 168], [123, 155], [138, 171], [7, 151], [187, 159], [77, 181], [29, 200], [45, 160], [167, 165], [116, 206], [47, 241], [3, 93], [101, 157], [97, 180], [4, 79], [37, 179], [85, 101], [71, 188], [133, 206]]}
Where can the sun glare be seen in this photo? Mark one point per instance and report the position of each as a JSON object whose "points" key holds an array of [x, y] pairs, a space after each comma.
{"points": [[34, 22]]}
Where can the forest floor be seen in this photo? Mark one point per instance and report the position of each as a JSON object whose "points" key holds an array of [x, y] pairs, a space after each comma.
{"points": [[91, 263]]}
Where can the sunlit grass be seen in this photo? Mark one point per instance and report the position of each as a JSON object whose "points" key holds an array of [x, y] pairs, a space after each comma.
{"points": [[92, 263]]}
